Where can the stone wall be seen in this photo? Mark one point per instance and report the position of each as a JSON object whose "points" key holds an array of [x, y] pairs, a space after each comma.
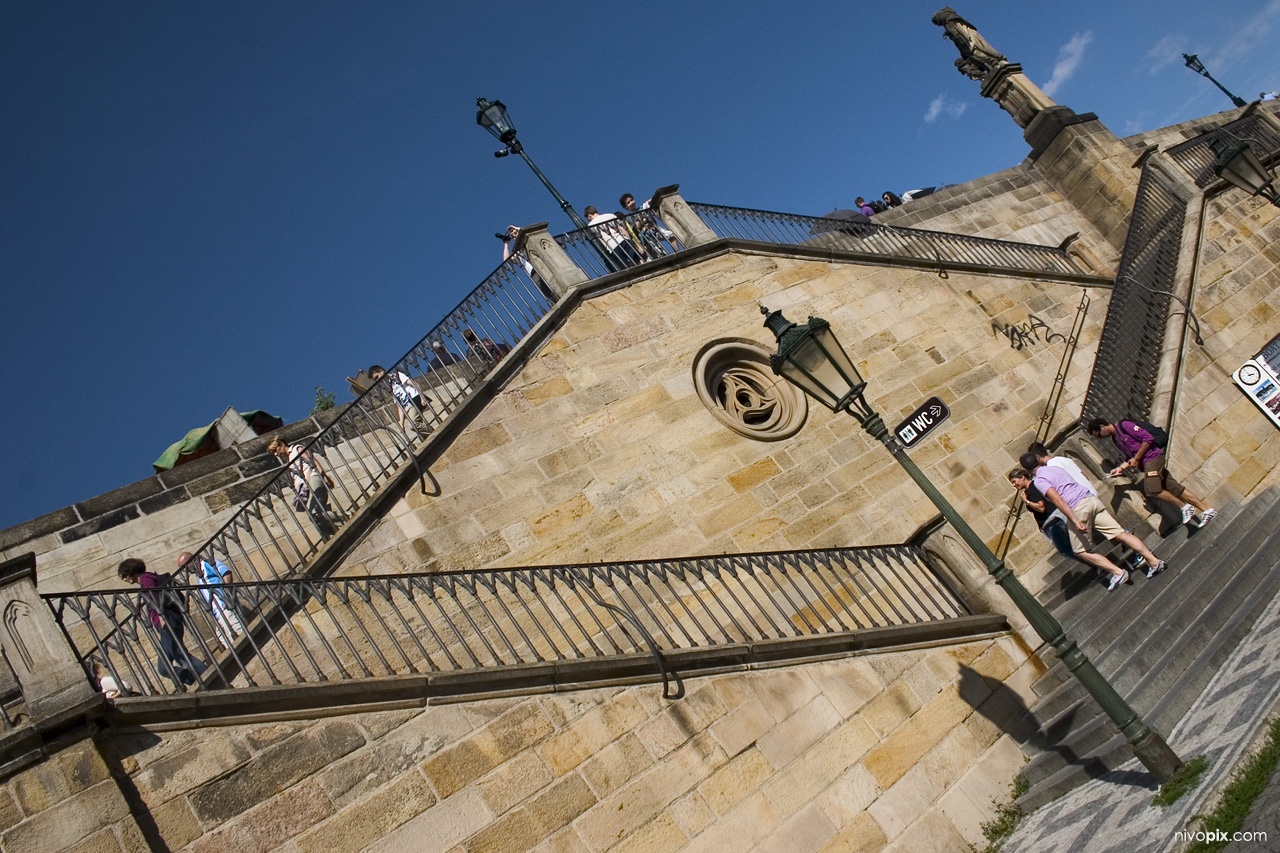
{"points": [[901, 751], [155, 518], [1222, 445], [1017, 204], [601, 450]]}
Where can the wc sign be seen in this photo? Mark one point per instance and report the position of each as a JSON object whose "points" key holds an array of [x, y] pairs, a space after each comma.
{"points": [[922, 421]]}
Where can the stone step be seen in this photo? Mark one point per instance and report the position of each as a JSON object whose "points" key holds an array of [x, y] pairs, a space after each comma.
{"points": [[1159, 649], [1175, 699], [1105, 758], [1104, 631], [1186, 630]]}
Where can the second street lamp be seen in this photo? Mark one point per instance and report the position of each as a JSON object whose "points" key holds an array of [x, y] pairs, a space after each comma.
{"points": [[812, 358], [492, 116], [1238, 164], [1194, 63]]}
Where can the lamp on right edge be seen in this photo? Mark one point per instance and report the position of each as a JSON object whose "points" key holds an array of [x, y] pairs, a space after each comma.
{"points": [[1238, 164]]}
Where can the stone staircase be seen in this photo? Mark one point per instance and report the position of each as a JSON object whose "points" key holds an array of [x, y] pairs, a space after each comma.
{"points": [[1157, 641]]}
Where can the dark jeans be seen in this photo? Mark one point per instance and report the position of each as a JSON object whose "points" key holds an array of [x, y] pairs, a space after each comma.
{"points": [[318, 508], [174, 662], [1056, 532], [626, 255]]}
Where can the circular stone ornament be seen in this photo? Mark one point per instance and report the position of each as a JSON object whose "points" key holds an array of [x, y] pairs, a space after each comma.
{"points": [[737, 385]]}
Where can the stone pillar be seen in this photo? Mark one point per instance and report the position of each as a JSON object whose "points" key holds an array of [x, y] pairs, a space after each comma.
{"points": [[52, 680], [553, 266], [1089, 165], [1015, 93], [680, 218]]}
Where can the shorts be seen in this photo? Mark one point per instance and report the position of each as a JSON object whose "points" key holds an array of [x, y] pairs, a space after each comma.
{"points": [[1096, 518], [1155, 479]]}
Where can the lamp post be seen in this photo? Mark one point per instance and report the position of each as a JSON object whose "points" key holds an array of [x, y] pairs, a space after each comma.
{"points": [[1238, 164], [492, 116], [812, 358], [1194, 63]]}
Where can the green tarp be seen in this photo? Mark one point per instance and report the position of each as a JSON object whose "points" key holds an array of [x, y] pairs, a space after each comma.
{"points": [[204, 440]]}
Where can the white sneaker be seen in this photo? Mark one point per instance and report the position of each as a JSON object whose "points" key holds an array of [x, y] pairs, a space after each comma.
{"points": [[1188, 513], [1207, 516], [1116, 580]]}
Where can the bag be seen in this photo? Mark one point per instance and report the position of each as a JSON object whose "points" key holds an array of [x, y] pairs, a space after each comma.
{"points": [[170, 598], [1159, 436], [301, 496]]}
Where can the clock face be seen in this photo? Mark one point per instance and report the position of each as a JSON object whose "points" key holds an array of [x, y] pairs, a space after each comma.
{"points": [[1249, 374]]}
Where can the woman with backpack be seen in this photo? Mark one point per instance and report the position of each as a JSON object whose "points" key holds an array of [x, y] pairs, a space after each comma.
{"points": [[163, 609], [1142, 448]]}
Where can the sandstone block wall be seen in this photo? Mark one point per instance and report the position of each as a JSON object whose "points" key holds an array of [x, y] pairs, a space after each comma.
{"points": [[601, 450], [1222, 445], [901, 751], [1017, 204], [79, 547]]}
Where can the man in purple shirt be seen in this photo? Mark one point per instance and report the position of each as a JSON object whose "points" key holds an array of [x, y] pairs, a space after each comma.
{"points": [[1086, 514], [1140, 453]]}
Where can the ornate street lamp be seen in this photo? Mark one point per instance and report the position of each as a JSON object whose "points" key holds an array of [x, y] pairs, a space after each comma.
{"points": [[1238, 164], [1194, 63], [811, 357], [492, 116]]}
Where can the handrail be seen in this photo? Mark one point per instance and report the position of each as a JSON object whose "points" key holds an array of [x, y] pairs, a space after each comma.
{"points": [[1124, 374], [306, 630], [364, 446], [884, 240], [1046, 417], [619, 244]]}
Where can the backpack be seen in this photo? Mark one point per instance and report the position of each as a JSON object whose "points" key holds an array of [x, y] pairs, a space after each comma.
{"points": [[1158, 435], [878, 206], [170, 599]]}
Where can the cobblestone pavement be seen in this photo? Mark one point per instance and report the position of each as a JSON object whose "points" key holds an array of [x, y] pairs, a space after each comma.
{"points": [[1114, 812], [1265, 817]]}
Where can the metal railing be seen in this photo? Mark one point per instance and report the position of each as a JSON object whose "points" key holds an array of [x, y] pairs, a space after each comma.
{"points": [[1197, 155], [1126, 366], [276, 532], [307, 630], [1045, 424], [619, 243], [884, 240]]}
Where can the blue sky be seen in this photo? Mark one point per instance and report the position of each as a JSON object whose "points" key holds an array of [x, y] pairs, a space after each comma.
{"points": [[229, 204]]}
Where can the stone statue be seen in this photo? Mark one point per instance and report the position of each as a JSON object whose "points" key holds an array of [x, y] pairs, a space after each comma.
{"points": [[977, 57]]}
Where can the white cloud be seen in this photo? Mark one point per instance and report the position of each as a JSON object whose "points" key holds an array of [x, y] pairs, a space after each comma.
{"points": [[1164, 53], [944, 107], [1068, 61], [1253, 34]]}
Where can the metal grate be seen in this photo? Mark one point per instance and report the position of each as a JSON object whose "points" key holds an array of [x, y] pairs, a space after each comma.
{"points": [[1124, 370], [313, 630], [1197, 157], [1124, 373]]}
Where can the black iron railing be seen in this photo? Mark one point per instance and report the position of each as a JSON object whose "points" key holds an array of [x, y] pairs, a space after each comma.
{"points": [[885, 241], [276, 532], [1125, 369], [619, 244], [1197, 155], [300, 631]]}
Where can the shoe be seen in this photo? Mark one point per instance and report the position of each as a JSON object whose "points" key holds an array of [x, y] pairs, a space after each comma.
{"points": [[1157, 569], [1137, 562], [1116, 580], [1188, 512], [1207, 516]]}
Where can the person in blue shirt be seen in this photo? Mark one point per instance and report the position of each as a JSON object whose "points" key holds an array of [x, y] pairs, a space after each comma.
{"points": [[210, 576]]}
